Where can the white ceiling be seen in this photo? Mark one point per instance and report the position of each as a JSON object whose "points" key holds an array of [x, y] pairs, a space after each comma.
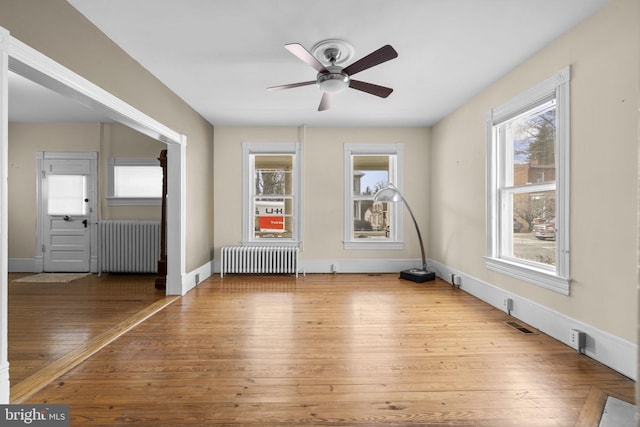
{"points": [[219, 56]]}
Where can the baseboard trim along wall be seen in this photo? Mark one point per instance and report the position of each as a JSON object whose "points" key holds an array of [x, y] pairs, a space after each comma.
{"points": [[22, 265], [608, 349], [348, 265], [195, 277]]}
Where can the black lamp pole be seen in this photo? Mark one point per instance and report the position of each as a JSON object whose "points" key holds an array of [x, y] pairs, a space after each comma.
{"points": [[391, 193]]}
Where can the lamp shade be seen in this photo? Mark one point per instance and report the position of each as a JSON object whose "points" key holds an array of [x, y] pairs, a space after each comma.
{"points": [[387, 194]]}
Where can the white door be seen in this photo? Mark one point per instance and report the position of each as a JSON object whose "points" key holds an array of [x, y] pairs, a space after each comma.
{"points": [[67, 212]]}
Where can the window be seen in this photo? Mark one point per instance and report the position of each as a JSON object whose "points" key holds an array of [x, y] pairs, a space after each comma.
{"points": [[134, 181], [528, 191], [272, 182], [369, 224]]}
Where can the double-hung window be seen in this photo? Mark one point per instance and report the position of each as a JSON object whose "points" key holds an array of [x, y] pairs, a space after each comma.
{"points": [[134, 181], [369, 224], [528, 185], [271, 194]]}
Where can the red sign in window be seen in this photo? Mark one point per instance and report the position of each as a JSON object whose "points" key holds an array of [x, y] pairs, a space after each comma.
{"points": [[272, 223]]}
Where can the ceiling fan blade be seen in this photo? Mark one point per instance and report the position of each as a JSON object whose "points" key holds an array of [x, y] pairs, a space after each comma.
{"points": [[325, 102], [303, 54], [291, 85], [384, 54], [376, 90]]}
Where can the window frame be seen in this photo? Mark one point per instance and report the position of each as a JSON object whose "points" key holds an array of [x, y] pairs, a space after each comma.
{"points": [[395, 209], [248, 208], [113, 200], [557, 279]]}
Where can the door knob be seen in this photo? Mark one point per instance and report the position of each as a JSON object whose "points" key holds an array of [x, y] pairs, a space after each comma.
{"points": [[84, 221], [67, 218]]}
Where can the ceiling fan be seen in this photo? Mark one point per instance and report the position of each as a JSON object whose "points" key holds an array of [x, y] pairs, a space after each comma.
{"points": [[333, 78]]}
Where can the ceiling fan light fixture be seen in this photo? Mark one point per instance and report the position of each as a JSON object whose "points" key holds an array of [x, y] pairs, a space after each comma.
{"points": [[334, 78], [333, 82]]}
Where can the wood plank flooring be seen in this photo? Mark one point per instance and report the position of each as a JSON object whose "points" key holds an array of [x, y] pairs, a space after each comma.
{"points": [[53, 325], [333, 350]]}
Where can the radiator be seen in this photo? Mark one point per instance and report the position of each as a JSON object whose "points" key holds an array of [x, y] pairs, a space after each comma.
{"points": [[254, 259], [128, 246]]}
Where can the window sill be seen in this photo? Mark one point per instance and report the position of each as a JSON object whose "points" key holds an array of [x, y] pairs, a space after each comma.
{"points": [[538, 277], [373, 244], [134, 201]]}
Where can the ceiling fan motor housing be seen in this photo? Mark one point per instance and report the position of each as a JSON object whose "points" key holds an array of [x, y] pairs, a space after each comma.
{"points": [[334, 81]]}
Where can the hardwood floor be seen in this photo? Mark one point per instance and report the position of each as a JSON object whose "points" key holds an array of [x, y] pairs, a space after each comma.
{"points": [[54, 325], [333, 350]]}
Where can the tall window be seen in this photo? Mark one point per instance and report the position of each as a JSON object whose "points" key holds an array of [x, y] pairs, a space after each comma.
{"points": [[369, 168], [528, 167], [134, 181], [271, 193]]}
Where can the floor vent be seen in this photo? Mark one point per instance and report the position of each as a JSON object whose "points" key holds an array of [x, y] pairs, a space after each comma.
{"points": [[520, 328]]}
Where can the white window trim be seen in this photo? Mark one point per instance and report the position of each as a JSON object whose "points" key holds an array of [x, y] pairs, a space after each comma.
{"points": [[129, 201], [293, 148], [559, 280], [396, 208]]}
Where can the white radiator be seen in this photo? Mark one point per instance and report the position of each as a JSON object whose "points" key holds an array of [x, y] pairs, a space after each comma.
{"points": [[128, 246], [258, 259]]}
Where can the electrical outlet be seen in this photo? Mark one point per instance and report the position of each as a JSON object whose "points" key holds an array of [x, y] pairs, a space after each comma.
{"points": [[577, 340], [507, 304], [457, 280], [197, 278]]}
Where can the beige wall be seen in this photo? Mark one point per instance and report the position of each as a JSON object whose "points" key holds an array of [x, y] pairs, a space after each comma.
{"points": [[604, 53], [56, 29], [323, 184]]}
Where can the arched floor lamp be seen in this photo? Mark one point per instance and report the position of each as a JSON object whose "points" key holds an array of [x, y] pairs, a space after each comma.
{"points": [[392, 194]]}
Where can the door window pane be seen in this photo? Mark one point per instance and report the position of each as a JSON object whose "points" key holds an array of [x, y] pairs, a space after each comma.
{"points": [[67, 194]]}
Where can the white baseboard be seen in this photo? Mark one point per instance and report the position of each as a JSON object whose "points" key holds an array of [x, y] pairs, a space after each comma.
{"points": [[22, 265], [193, 278], [357, 265], [349, 265], [608, 349]]}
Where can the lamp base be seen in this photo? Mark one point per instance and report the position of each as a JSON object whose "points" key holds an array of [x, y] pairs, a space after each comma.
{"points": [[417, 275]]}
